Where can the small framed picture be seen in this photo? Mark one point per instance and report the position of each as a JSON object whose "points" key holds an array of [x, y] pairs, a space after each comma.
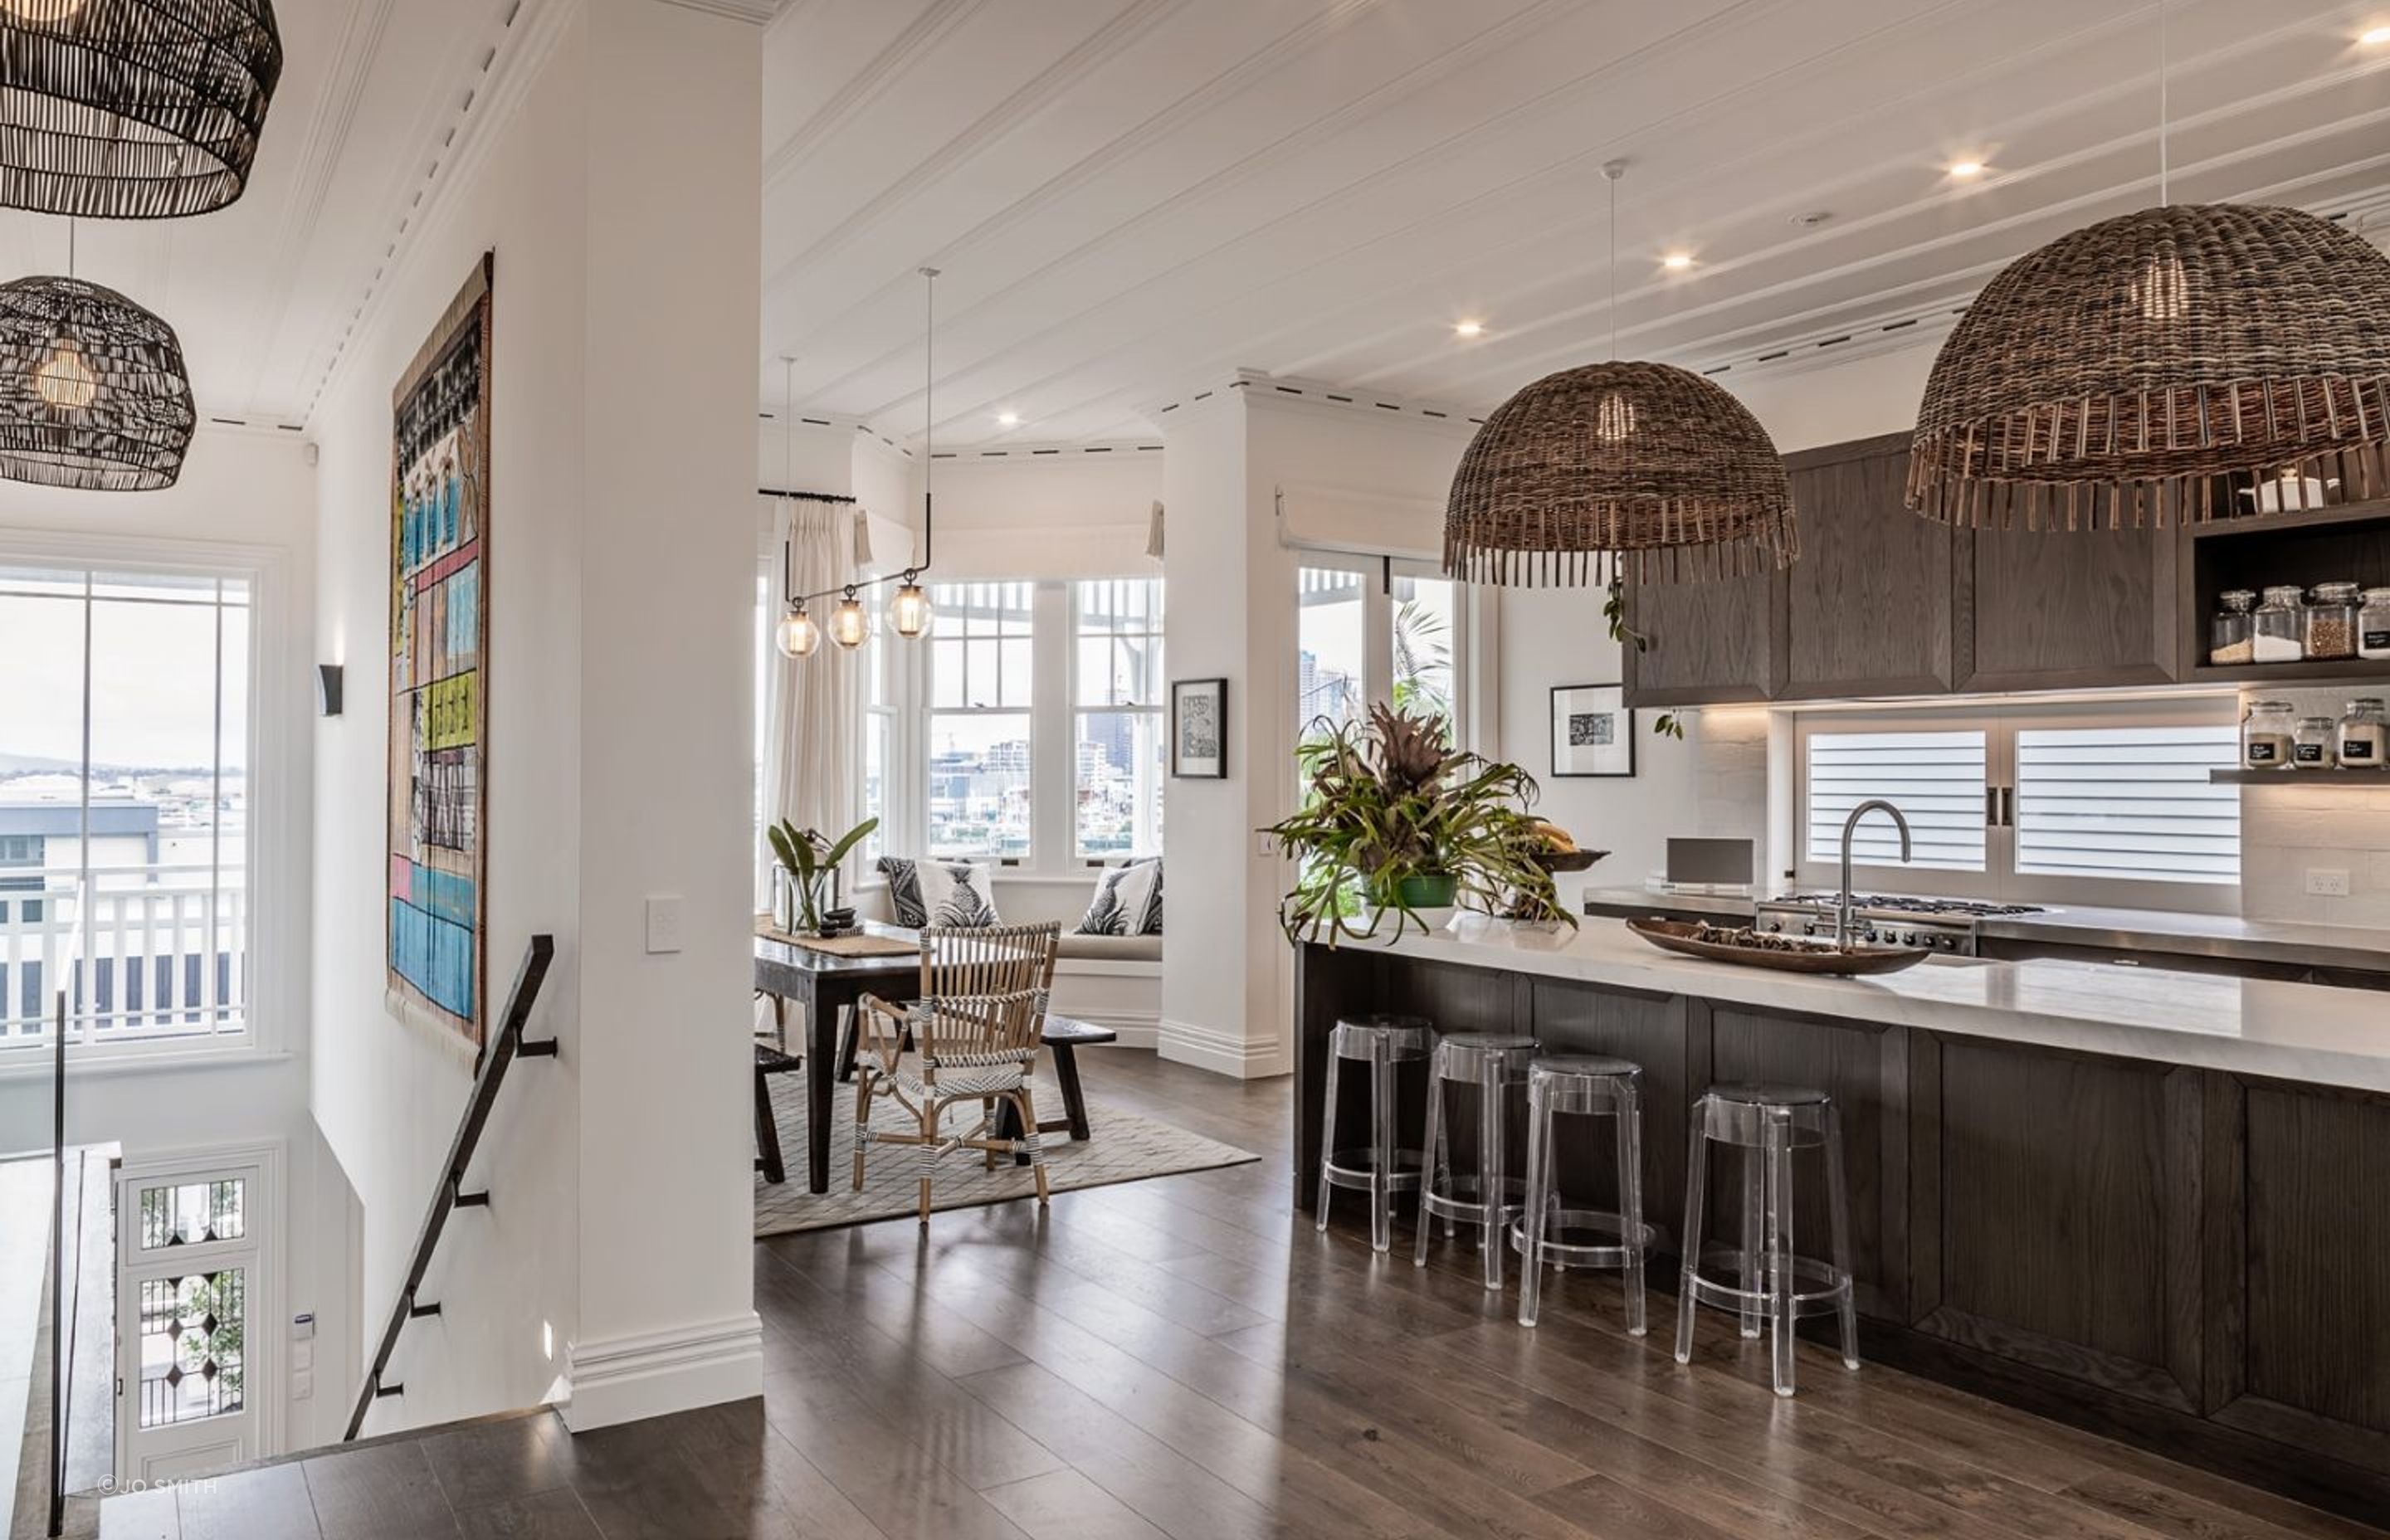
{"points": [[1199, 728], [1593, 730]]}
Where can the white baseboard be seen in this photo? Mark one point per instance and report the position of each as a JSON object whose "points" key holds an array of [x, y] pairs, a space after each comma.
{"points": [[1222, 1053], [624, 1378], [1138, 1029]]}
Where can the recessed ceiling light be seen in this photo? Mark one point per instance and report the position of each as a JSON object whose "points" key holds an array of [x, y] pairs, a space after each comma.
{"points": [[1469, 328], [1677, 262], [2375, 37], [1966, 170], [1008, 420]]}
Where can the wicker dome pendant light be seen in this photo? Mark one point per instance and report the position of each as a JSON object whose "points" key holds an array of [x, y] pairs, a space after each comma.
{"points": [[1618, 470], [2158, 363], [132, 109], [93, 392]]}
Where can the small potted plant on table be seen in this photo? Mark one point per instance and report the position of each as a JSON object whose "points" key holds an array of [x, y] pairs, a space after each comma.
{"points": [[1396, 822], [808, 894]]}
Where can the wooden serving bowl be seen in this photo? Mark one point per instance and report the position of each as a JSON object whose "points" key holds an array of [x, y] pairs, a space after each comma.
{"points": [[1676, 936]]}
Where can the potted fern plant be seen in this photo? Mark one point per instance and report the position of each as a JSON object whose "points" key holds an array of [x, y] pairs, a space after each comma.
{"points": [[809, 867], [1396, 822]]}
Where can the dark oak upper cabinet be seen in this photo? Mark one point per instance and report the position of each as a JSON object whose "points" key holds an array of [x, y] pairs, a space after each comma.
{"points": [[1884, 602], [1867, 607], [1706, 644], [2067, 609]]}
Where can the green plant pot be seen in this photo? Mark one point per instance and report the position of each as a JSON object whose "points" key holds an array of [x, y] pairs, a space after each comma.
{"points": [[1436, 892]]}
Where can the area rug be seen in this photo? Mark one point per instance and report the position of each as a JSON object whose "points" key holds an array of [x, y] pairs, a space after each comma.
{"points": [[1126, 1148]]}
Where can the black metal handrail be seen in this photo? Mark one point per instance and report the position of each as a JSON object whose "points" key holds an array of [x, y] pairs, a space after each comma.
{"points": [[502, 1051]]}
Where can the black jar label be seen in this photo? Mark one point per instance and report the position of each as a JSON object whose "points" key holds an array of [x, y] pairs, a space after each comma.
{"points": [[2307, 753], [2356, 748], [2261, 753], [2375, 641]]}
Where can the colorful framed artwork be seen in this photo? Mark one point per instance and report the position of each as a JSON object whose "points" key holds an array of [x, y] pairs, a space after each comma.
{"points": [[1593, 730], [439, 652]]}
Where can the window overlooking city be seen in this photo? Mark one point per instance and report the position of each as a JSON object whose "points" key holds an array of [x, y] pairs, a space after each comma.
{"points": [[982, 662], [124, 804], [1118, 696]]}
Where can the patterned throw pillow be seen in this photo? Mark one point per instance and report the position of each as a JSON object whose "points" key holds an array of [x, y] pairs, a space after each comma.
{"points": [[903, 892], [957, 895], [1128, 901]]}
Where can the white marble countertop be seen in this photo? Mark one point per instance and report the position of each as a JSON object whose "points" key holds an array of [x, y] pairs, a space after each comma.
{"points": [[2150, 929], [2308, 1033]]}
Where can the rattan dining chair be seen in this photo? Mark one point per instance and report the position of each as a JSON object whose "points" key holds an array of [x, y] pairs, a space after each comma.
{"points": [[971, 1037]]}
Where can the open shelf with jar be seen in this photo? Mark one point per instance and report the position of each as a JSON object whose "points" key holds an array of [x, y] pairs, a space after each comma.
{"points": [[2261, 598]]}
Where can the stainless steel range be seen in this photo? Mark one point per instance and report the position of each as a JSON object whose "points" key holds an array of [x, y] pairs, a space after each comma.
{"points": [[1888, 919]]}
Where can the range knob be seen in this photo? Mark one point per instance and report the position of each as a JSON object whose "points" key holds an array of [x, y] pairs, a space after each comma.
{"points": [[1773, 926]]}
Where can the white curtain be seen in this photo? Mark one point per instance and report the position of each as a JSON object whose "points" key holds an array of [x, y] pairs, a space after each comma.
{"points": [[814, 705]]}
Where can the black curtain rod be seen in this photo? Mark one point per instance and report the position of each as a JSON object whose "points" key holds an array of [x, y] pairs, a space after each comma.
{"points": [[804, 496]]}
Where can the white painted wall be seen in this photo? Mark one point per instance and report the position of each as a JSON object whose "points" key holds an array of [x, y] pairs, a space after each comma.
{"points": [[2288, 830], [620, 746]]}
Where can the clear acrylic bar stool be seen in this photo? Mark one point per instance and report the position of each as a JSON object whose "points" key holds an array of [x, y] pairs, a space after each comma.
{"points": [[1496, 1064], [1377, 1168], [1582, 1085], [1767, 1122]]}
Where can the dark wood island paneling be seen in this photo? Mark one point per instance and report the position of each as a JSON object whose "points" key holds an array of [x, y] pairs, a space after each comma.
{"points": [[2185, 1258]]}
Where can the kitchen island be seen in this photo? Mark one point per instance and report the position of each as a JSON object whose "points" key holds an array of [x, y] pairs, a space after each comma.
{"points": [[2154, 1204]]}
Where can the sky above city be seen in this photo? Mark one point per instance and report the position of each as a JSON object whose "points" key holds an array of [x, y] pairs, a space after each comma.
{"points": [[153, 679]]}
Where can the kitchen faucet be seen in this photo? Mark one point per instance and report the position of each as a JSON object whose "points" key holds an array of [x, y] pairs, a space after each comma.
{"points": [[1850, 828]]}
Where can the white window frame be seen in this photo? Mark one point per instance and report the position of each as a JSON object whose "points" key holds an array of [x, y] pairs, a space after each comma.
{"points": [[1157, 708], [1999, 880], [1048, 597], [276, 879], [1377, 573]]}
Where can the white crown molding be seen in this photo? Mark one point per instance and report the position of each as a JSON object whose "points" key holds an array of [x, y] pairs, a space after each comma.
{"points": [[1293, 393], [757, 11], [1045, 452], [525, 42]]}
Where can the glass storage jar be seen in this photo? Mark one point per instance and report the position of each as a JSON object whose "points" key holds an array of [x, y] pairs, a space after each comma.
{"points": [[2276, 627], [2373, 624], [2332, 621], [2265, 735], [2312, 742], [2228, 634], [2365, 735]]}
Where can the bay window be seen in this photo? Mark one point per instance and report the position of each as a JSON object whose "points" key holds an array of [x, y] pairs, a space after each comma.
{"points": [[981, 742], [1119, 697]]}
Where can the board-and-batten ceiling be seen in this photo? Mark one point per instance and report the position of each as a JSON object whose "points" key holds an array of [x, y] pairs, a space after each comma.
{"points": [[1132, 199], [1136, 198]]}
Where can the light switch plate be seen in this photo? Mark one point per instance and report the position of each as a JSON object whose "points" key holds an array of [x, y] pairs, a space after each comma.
{"points": [[2328, 881], [663, 923], [302, 1385]]}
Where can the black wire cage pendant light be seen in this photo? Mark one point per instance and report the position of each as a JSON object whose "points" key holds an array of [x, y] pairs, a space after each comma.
{"points": [[132, 109], [92, 393]]}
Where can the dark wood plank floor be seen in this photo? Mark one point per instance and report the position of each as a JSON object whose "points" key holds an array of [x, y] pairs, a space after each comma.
{"points": [[1185, 1358]]}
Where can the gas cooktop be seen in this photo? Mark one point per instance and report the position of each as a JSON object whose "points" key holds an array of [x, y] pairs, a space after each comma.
{"points": [[1903, 903]]}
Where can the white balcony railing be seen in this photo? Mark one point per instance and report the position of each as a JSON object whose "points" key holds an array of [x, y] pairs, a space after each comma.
{"points": [[144, 953]]}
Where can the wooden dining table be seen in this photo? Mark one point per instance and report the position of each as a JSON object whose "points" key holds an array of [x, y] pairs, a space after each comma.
{"points": [[827, 986]]}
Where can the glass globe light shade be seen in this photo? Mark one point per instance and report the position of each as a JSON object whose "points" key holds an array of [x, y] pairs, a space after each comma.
{"points": [[850, 624], [910, 611], [797, 635]]}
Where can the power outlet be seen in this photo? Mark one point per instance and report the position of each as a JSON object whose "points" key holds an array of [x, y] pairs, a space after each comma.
{"points": [[2327, 882]]}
